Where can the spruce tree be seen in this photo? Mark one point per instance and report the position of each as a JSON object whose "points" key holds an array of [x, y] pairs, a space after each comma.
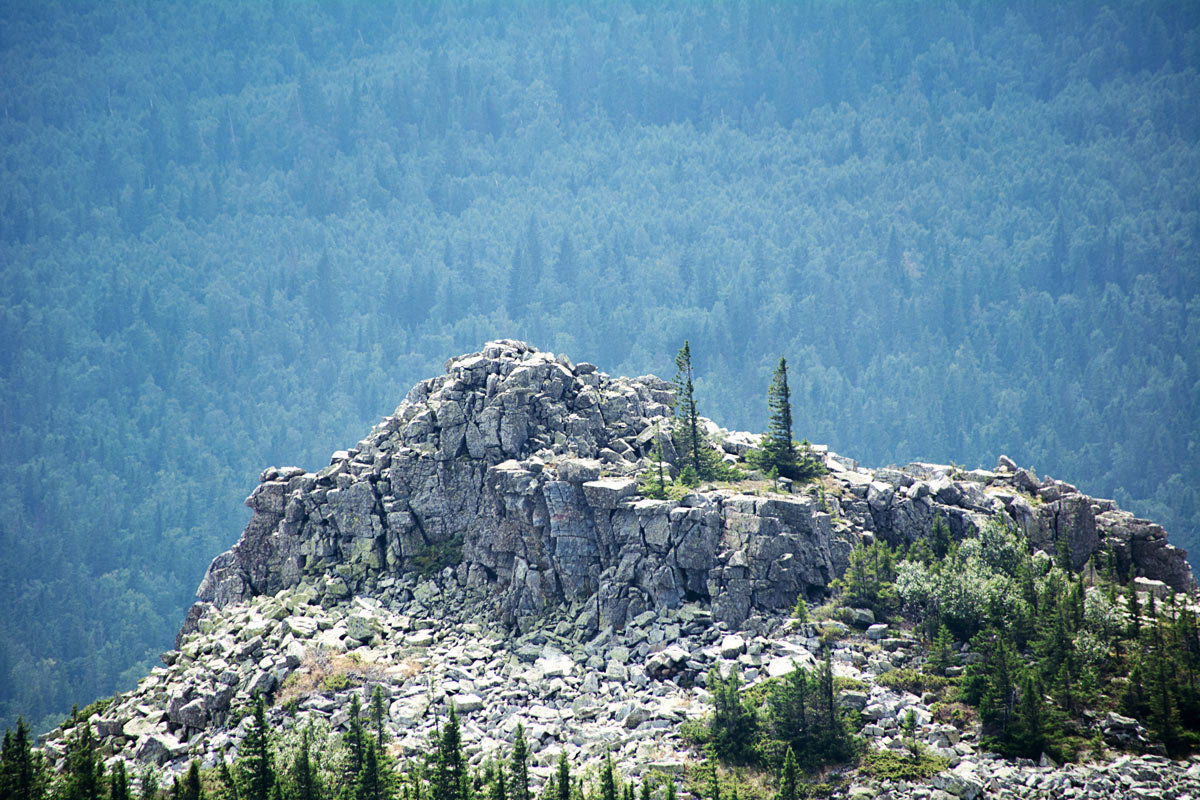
{"points": [[355, 740], [150, 784], [189, 788], [789, 710], [1135, 613], [563, 782], [1027, 736], [733, 722], [377, 717], [520, 766], [687, 420], [778, 449], [84, 775], [305, 781], [834, 740], [454, 761], [22, 774], [999, 670], [787, 781], [369, 785], [8, 767], [941, 538], [1164, 711], [497, 788], [255, 767], [229, 788], [608, 782], [942, 653], [655, 486], [118, 782]]}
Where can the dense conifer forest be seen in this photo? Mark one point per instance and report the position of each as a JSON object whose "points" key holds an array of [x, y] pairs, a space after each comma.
{"points": [[233, 235]]}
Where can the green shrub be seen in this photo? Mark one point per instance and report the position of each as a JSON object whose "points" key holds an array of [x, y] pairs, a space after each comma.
{"points": [[911, 680], [336, 682], [95, 707], [892, 766], [842, 684]]}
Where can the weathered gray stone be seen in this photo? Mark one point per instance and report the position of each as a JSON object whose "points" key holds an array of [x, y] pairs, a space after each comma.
{"points": [[158, 748], [194, 714], [576, 470], [361, 626], [467, 703], [861, 617], [607, 493]]}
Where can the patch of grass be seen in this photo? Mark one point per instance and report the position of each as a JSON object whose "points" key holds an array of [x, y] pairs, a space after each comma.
{"points": [[337, 682], [915, 681], [842, 683], [323, 672], [892, 766], [648, 486]]}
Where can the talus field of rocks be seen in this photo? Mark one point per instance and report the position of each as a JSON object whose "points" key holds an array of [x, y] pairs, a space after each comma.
{"points": [[485, 545]]}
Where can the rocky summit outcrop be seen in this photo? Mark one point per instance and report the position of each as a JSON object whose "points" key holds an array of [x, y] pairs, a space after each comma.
{"points": [[517, 469], [486, 546]]}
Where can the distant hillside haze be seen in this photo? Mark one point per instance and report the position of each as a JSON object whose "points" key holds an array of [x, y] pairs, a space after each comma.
{"points": [[234, 235]]}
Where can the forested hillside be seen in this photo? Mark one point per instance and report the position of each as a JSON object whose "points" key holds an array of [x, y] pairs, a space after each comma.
{"points": [[233, 235]]}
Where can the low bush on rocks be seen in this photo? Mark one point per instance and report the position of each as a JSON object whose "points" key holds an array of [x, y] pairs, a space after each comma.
{"points": [[892, 766], [912, 680], [960, 715]]}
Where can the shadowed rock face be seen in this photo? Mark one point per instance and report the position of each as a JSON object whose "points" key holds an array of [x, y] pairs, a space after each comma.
{"points": [[516, 468]]}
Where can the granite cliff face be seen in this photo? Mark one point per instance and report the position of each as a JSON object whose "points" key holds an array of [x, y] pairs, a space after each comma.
{"points": [[523, 462], [516, 467]]}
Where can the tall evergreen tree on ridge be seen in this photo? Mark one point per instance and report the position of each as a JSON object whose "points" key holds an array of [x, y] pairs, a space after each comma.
{"points": [[778, 449], [699, 459], [778, 452], [687, 421]]}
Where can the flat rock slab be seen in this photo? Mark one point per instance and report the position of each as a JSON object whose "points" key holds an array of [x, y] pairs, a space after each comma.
{"points": [[607, 493]]}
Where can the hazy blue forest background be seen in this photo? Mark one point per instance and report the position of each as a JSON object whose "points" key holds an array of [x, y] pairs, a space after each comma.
{"points": [[233, 235]]}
